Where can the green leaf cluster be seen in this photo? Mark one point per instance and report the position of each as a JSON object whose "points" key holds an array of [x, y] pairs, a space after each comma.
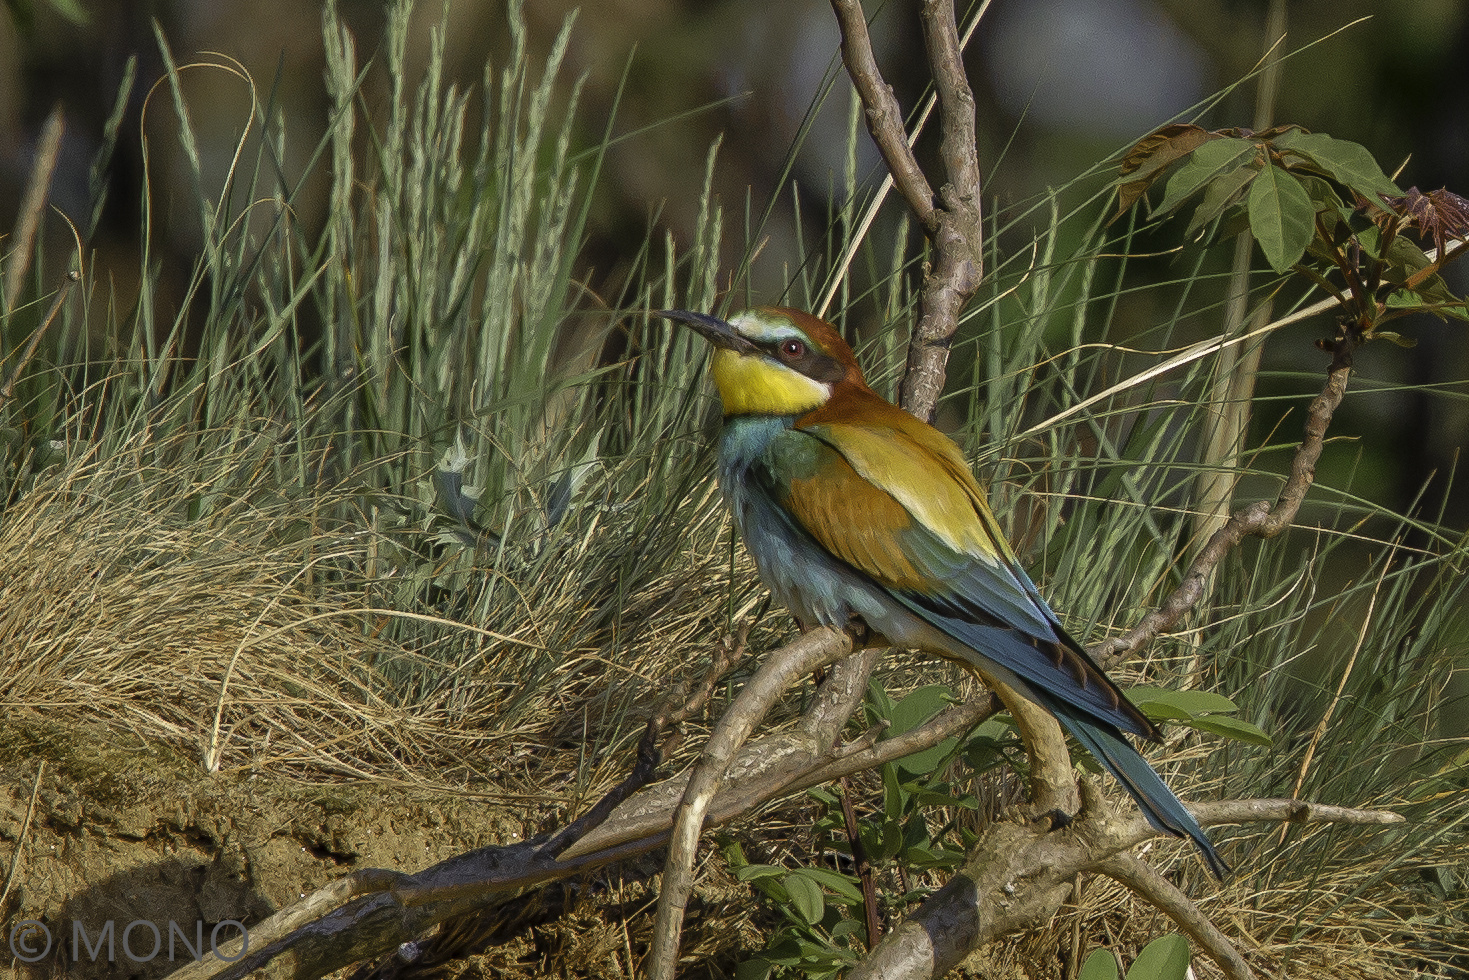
{"points": [[1318, 207]]}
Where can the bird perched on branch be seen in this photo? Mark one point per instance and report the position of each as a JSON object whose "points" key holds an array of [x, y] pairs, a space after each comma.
{"points": [[854, 510]]}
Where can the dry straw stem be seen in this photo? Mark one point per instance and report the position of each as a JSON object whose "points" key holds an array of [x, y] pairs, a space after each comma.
{"points": [[1227, 420], [122, 608], [7, 391], [1321, 727], [20, 839]]}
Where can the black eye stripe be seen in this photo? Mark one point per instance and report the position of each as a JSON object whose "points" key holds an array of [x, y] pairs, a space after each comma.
{"points": [[808, 360]]}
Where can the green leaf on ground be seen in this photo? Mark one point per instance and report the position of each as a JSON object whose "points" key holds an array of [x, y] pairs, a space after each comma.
{"points": [[1100, 965], [1165, 958], [806, 896]]}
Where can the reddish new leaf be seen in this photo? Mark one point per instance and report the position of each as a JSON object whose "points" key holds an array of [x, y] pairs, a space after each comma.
{"points": [[1439, 216]]}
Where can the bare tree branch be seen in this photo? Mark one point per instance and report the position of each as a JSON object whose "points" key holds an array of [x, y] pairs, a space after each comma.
{"points": [[958, 237], [384, 908], [754, 702], [953, 222], [1017, 875], [838, 696], [884, 115], [938, 934], [1163, 895], [373, 911], [1259, 519]]}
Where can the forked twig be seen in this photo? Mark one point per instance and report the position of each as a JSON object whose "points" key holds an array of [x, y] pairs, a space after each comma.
{"points": [[908, 952], [952, 218], [372, 911], [1017, 875]]}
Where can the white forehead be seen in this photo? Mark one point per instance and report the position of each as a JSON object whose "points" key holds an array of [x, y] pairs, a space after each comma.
{"points": [[763, 327]]}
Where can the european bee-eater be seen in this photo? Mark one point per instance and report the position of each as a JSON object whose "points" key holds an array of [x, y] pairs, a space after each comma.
{"points": [[854, 509]]}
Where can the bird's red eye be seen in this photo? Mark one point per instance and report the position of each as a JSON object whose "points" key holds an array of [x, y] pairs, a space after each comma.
{"points": [[792, 348]]}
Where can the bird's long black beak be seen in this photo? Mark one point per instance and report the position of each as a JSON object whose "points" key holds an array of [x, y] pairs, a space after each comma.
{"points": [[712, 329]]}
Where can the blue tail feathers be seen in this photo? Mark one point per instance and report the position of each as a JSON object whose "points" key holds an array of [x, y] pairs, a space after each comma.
{"points": [[1163, 810]]}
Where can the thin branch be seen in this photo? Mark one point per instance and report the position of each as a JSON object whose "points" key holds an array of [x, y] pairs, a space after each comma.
{"points": [[1017, 875], [866, 876], [838, 696], [959, 236], [1260, 519], [814, 649], [870, 214], [20, 839], [857, 758], [953, 223], [649, 758], [956, 102], [1269, 810], [884, 115], [1163, 895], [386, 908]]}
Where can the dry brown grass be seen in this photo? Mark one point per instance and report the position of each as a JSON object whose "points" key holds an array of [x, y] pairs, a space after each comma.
{"points": [[175, 592]]}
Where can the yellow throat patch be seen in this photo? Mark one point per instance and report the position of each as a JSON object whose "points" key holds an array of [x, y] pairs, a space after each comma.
{"points": [[752, 385]]}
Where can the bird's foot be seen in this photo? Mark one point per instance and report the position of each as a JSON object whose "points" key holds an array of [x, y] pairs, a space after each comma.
{"points": [[1058, 819], [1054, 804], [1048, 820], [858, 630]]}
